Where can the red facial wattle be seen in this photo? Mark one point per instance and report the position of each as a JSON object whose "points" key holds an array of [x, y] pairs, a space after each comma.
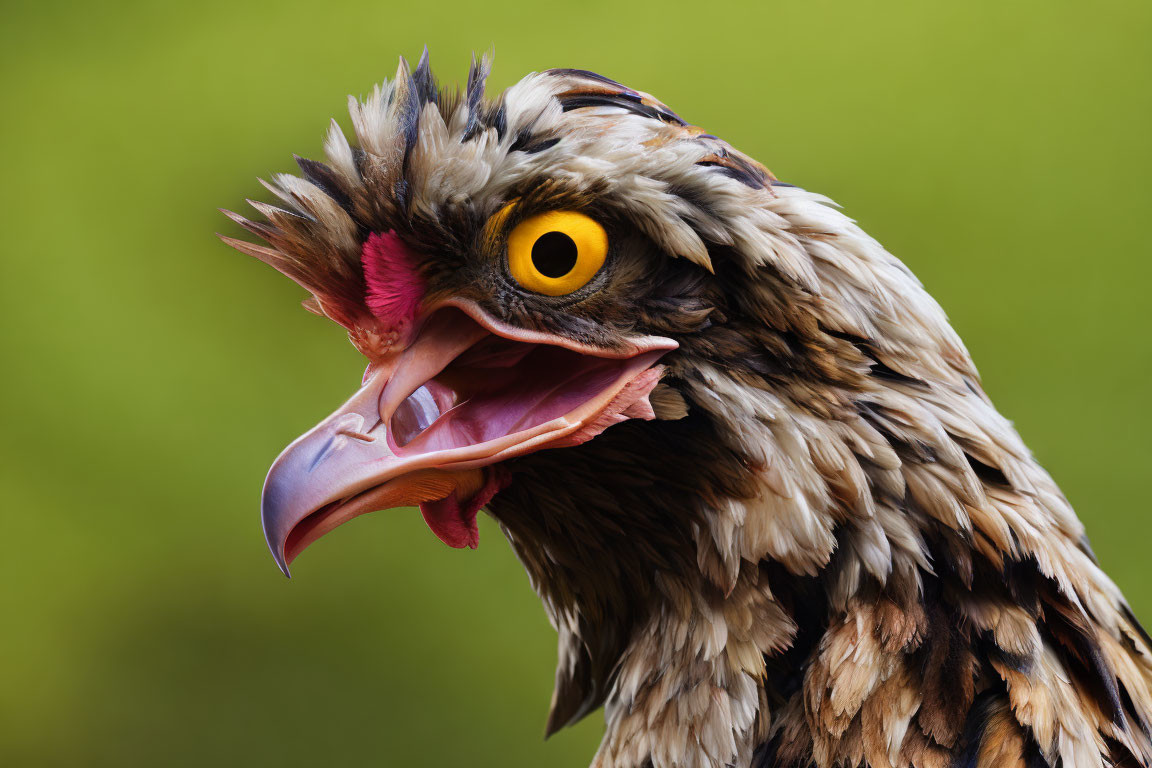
{"points": [[395, 287], [453, 519]]}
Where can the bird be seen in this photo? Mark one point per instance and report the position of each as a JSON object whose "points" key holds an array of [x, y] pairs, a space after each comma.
{"points": [[747, 464]]}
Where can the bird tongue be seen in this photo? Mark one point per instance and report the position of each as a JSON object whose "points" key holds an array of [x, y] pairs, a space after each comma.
{"points": [[454, 521]]}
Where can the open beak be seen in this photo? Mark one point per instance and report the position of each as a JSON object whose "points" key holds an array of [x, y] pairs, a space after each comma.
{"points": [[432, 421]]}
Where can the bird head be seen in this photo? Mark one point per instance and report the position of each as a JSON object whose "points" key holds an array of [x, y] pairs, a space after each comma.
{"points": [[520, 276]]}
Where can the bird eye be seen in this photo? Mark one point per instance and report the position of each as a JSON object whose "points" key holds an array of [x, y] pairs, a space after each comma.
{"points": [[557, 252]]}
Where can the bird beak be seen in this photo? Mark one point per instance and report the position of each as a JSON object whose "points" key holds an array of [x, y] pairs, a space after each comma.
{"points": [[432, 421]]}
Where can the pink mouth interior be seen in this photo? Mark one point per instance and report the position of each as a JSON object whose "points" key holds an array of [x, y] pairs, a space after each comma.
{"points": [[496, 388], [462, 398]]}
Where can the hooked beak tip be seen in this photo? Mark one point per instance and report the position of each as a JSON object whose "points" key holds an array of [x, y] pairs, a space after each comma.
{"points": [[277, 550], [282, 562], [276, 539]]}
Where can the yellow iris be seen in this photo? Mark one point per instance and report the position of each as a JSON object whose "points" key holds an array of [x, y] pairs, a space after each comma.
{"points": [[557, 252]]}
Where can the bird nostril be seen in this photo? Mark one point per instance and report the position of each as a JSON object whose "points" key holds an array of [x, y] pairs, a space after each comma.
{"points": [[358, 435], [418, 411]]}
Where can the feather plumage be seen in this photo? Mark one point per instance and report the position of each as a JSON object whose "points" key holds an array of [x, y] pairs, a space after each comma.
{"points": [[841, 554]]}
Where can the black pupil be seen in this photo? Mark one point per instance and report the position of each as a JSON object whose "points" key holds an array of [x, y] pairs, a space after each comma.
{"points": [[554, 254]]}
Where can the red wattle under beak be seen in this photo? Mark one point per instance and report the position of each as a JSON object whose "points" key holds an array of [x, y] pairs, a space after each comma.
{"points": [[432, 421]]}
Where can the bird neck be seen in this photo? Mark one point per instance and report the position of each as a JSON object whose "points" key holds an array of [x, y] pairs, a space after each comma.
{"points": [[720, 624], [608, 534]]}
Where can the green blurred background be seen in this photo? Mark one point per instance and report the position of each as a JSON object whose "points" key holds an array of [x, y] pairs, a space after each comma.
{"points": [[150, 374]]}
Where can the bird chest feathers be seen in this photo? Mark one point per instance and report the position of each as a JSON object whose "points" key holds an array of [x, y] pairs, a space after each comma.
{"points": [[748, 465]]}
